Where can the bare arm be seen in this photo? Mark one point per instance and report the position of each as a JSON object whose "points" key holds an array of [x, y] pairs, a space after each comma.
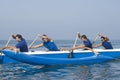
{"points": [[78, 47], [98, 45], [37, 46], [83, 46], [11, 48]]}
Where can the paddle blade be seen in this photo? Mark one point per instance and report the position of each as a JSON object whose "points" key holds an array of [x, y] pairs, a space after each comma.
{"points": [[96, 53], [70, 54]]}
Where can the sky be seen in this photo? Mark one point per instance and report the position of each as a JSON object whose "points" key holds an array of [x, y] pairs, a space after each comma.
{"points": [[59, 19]]}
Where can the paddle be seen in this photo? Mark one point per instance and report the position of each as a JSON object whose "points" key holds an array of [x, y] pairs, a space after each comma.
{"points": [[96, 53], [8, 41], [71, 51], [33, 41], [76, 40], [95, 39]]}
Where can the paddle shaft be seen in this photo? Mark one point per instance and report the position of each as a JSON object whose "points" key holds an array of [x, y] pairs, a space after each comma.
{"points": [[8, 41], [5, 44], [34, 41], [71, 53], [75, 41], [95, 39]]}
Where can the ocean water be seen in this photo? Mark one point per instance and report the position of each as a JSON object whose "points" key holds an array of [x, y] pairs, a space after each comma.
{"points": [[22, 71]]}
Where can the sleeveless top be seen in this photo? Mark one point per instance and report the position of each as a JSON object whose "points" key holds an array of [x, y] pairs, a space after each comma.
{"points": [[107, 45], [51, 46], [88, 43]]}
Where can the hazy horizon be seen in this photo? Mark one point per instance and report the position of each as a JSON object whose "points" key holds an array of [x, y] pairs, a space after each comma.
{"points": [[59, 19]]}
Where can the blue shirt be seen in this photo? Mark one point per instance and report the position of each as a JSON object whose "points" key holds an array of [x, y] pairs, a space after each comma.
{"points": [[87, 43], [22, 45], [51, 46], [107, 45]]}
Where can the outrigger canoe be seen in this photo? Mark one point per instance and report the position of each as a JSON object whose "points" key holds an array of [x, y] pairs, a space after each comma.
{"points": [[61, 57]]}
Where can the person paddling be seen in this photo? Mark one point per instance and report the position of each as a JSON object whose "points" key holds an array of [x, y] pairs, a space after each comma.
{"points": [[86, 42], [47, 42], [105, 42], [87, 45], [20, 46]]}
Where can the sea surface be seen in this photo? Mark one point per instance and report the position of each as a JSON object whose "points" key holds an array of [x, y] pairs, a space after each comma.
{"points": [[21, 71]]}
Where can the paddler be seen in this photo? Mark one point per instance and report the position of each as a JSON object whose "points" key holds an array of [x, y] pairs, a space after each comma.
{"points": [[21, 46], [105, 42], [47, 42]]}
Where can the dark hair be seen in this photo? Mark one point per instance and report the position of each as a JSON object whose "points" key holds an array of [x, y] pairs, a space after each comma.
{"points": [[19, 36], [84, 36], [103, 37], [44, 35]]}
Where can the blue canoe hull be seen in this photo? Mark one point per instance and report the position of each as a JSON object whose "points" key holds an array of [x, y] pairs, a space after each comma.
{"points": [[58, 58], [5, 60]]}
